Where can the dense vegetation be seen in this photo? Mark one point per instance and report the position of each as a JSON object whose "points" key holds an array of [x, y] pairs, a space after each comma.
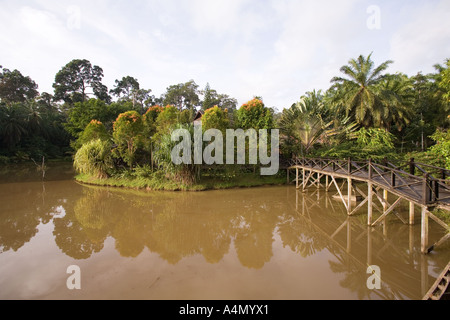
{"points": [[124, 133]]}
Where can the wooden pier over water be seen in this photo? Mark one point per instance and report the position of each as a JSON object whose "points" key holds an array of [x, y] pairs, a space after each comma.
{"points": [[428, 190]]}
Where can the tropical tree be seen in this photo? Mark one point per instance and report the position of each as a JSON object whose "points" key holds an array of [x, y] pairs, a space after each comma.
{"points": [[93, 131], [127, 135], [212, 98], [81, 114], [166, 119], [215, 118], [209, 97], [444, 83], [73, 81], [358, 92], [14, 87], [254, 115], [13, 124], [182, 95], [304, 125], [397, 97], [128, 89], [441, 150]]}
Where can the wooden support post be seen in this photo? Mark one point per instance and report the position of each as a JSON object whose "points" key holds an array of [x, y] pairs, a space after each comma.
{"points": [[424, 275], [369, 246], [411, 241], [296, 178], [349, 235], [436, 190], [349, 195], [303, 179], [326, 183], [424, 230], [386, 212], [318, 180], [426, 190], [412, 167], [392, 178], [385, 197], [339, 191], [411, 213], [370, 204]]}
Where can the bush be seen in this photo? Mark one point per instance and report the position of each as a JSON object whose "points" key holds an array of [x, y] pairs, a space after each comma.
{"points": [[369, 143], [94, 158], [128, 135], [93, 131], [442, 148], [4, 159], [254, 115]]}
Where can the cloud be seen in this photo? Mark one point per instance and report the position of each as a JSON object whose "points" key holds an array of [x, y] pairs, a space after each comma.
{"points": [[278, 49], [424, 39]]}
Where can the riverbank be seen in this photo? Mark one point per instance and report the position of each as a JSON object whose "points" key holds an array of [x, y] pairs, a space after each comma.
{"points": [[157, 182]]}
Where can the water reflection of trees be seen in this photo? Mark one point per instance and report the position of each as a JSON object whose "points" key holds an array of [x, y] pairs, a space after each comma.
{"points": [[23, 207], [179, 225], [173, 225]]}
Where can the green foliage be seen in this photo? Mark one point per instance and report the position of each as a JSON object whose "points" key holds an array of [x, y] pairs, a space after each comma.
{"points": [[371, 98], [94, 158], [128, 89], [144, 171], [128, 135], [182, 95], [84, 112], [184, 173], [215, 118], [13, 124], [254, 115], [373, 143], [151, 115], [444, 82], [33, 128], [302, 125], [93, 131], [75, 78], [308, 123], [211, 98], [166, 119], [441, 150], [14, 87], [186, 116], [4, 160]]}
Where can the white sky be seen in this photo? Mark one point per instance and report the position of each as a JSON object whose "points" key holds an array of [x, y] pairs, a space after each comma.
{"points": [[277, 49]]}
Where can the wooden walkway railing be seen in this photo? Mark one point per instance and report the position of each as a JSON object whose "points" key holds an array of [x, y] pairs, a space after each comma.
{"points": [[420, 183]]}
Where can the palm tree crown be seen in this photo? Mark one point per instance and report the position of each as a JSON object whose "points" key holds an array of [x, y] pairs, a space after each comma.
{"points": [[368, 95]]}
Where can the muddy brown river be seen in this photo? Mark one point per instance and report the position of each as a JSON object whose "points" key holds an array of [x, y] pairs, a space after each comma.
{"points": [[270, 243]]}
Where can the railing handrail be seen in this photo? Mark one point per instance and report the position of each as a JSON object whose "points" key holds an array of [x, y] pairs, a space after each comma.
{"points": [[431, 185]]}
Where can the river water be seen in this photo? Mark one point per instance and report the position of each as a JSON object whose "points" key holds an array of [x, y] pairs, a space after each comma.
{"points": [[270, 243]]}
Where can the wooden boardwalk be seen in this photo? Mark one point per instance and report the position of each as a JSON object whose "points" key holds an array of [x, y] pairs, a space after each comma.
{"points": [[429, 190], [441, 288]]}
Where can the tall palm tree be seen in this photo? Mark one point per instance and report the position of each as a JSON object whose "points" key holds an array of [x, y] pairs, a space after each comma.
{"points": [[359, 91], [13, 124], [397, 95]]}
